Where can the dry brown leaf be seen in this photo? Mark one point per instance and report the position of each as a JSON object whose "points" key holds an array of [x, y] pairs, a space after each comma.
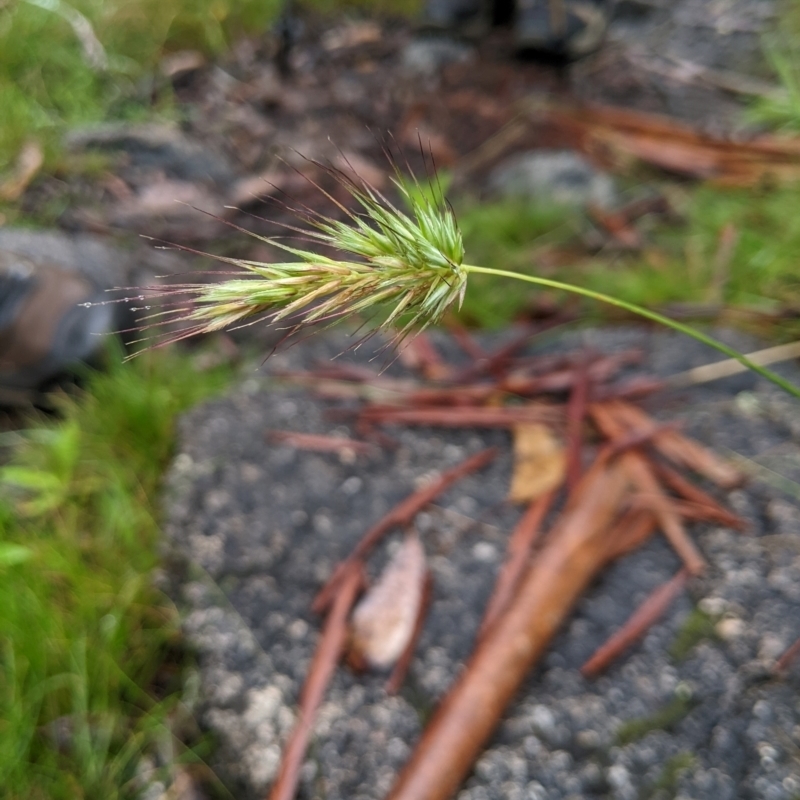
{"points": [[540, 462], [383, 622]]}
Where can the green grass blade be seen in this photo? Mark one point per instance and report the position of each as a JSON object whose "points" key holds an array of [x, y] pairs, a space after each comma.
{"points": [[646, 313]]}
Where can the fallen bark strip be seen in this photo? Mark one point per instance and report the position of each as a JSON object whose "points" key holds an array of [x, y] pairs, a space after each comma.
{"points": [[637, 439], [575, 552], [683, 488], [654, 606], [619, 134], [577, 407], [784, 662], [320, 443], [451, 396], [518, 552], [679, 448], [668, 519], [631, 531], [329, 651], [598, 371], [642, 477], [464, 417], [693, 512], [496, 361], [631, 389], [398, 676], [402, 514]]}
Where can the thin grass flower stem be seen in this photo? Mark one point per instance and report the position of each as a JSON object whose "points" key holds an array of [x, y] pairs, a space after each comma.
{"points": [[642, 312]]}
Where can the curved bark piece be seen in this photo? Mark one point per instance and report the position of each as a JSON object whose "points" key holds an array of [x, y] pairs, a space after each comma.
{"points": [[576, 550]]}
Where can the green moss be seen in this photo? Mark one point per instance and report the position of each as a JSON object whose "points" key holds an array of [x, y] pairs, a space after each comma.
{"points": [[696, 627], [673, 770], [666, 718]]}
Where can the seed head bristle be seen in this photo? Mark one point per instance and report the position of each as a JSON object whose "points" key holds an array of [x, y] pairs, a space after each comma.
{"points": [[409, 262]]}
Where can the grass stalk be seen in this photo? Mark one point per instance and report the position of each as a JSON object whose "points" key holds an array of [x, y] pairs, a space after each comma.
{"points": [[654, 316]]}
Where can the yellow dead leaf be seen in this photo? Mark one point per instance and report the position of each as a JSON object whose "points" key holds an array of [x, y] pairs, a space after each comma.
{"points": [[539, 462]]}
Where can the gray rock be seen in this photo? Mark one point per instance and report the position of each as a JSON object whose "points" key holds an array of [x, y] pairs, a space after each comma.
{"points": [[153, 147], [552, 176], [262, 525], [427, 56], [685, 58], [107, 264]]}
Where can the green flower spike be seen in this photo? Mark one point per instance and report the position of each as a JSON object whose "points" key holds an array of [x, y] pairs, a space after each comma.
{"points": [[409, 263]]}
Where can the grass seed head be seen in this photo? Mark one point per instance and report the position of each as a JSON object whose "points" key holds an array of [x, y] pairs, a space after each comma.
{"points": [[410, 263]]}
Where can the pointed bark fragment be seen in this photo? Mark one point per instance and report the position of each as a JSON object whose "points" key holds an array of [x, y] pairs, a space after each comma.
{"points": [[648, 613], [642, 477], [679, 448]]}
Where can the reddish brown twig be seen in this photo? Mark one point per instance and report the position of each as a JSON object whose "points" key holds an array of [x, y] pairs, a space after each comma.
{"points": [[784, 662], [466, 341], [631, 531], [572, 556], [637, 439], [517, 554], [576, 413], [320, 443], [329, 651], [642, 477], [715, 512], [631, 389], [402, 514], [450, 396], [679, 448], [694, 512], [563, 378], [496, 362], [654, 606], [398, 676], [419, 354], [661, 505], [464, 417]]}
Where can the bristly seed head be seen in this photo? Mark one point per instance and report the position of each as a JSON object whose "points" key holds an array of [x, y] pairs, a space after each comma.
{"points": [[410, 262]]}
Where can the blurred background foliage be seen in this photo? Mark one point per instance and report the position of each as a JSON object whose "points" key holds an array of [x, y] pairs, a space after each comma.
{"points": [[84, 61], [90, 60]]}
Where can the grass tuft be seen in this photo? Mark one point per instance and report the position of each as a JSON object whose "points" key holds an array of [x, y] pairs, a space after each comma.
{"points": [[48, 82], [83, 631]]}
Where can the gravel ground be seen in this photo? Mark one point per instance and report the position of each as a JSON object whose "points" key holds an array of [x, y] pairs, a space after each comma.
{"points": [[691, 712]]}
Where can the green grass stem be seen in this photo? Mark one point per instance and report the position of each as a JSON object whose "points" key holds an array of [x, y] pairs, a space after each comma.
{"points": [[642, 312]]}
